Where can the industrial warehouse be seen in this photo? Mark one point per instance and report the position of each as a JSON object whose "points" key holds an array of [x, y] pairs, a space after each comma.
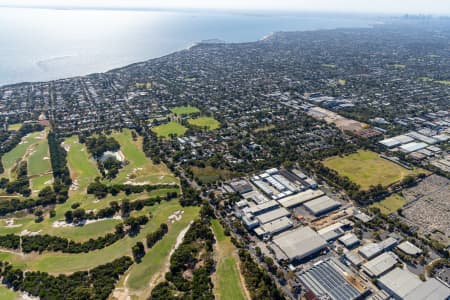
{"points": [[302, 226]]}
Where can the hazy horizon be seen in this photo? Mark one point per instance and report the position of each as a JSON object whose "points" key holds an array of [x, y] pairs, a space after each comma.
{"points": [[430, 7]]}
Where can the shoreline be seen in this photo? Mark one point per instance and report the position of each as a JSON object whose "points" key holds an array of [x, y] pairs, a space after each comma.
{"points": [[189, 47]]}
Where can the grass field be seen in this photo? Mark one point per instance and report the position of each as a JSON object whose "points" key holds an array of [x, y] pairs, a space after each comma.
{"points": [[83, 171], [11, 158], [184, 110], [7, 294], [398, 66], [367, 168], [264, 128], [39, 166], [390, 205], [210, 174], [15, 126], [140, 169], [227, 278], [154, 260], [57, 263], [328, 65], [341, 81], [444, 82], [171, 128], [205, 122]]}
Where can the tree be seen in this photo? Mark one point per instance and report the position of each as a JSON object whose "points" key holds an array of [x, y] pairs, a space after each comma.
{"points": [[138, 252]]}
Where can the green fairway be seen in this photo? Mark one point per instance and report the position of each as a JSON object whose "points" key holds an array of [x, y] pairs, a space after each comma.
{"points": [[390, 205], [140, 169], [227, 284], [7, 294], [11, 158], [39, 166], [444, 82], [171, 128], [367, 168], [332, 66], [205, 122], [15, 126], [57, 263], [155, 259], [184, 110]]}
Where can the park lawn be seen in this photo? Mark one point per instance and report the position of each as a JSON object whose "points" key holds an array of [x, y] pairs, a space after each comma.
{"points": [[398, 66], [210, 174], [205, 122], [390, 204], [227, 279], [367, 168], [11, 158], [15, 126], [140, 169], [158, 256], [264, 128], [444, 82], [7, 294], [341, 81], [184, 110], [171, 128], [57, 263], [328, 65]]}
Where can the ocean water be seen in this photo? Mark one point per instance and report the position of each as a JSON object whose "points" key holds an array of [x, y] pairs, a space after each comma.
{"points": [[46, 44]]}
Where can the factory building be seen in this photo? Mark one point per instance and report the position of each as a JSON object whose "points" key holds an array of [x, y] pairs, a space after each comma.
{"points": [[322, 205], [401, 284], [330, 280], [297, 244], [380, 264], [300, 198]]}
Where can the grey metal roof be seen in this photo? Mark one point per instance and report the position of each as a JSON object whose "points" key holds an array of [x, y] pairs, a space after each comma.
{"points": [[300, 198], [327, 279], [322, 204], [380, 264], [300, 242], [431, 289], [273, 215], [399, 282]]}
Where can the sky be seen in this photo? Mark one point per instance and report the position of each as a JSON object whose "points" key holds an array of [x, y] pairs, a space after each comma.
{"points": [[438, 7]]}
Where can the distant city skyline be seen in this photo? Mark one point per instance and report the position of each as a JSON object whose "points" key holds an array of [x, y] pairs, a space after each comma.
{"points": [[437, 7]]}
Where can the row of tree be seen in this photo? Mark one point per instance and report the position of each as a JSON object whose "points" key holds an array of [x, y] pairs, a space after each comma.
{"points": [[21, 185], [98, 145], [95, 284], [79, 215], [101, 190], [40, 243]]}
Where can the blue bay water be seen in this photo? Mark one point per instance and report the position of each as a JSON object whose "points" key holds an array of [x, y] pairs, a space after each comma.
{"points": [[46, 44]]}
